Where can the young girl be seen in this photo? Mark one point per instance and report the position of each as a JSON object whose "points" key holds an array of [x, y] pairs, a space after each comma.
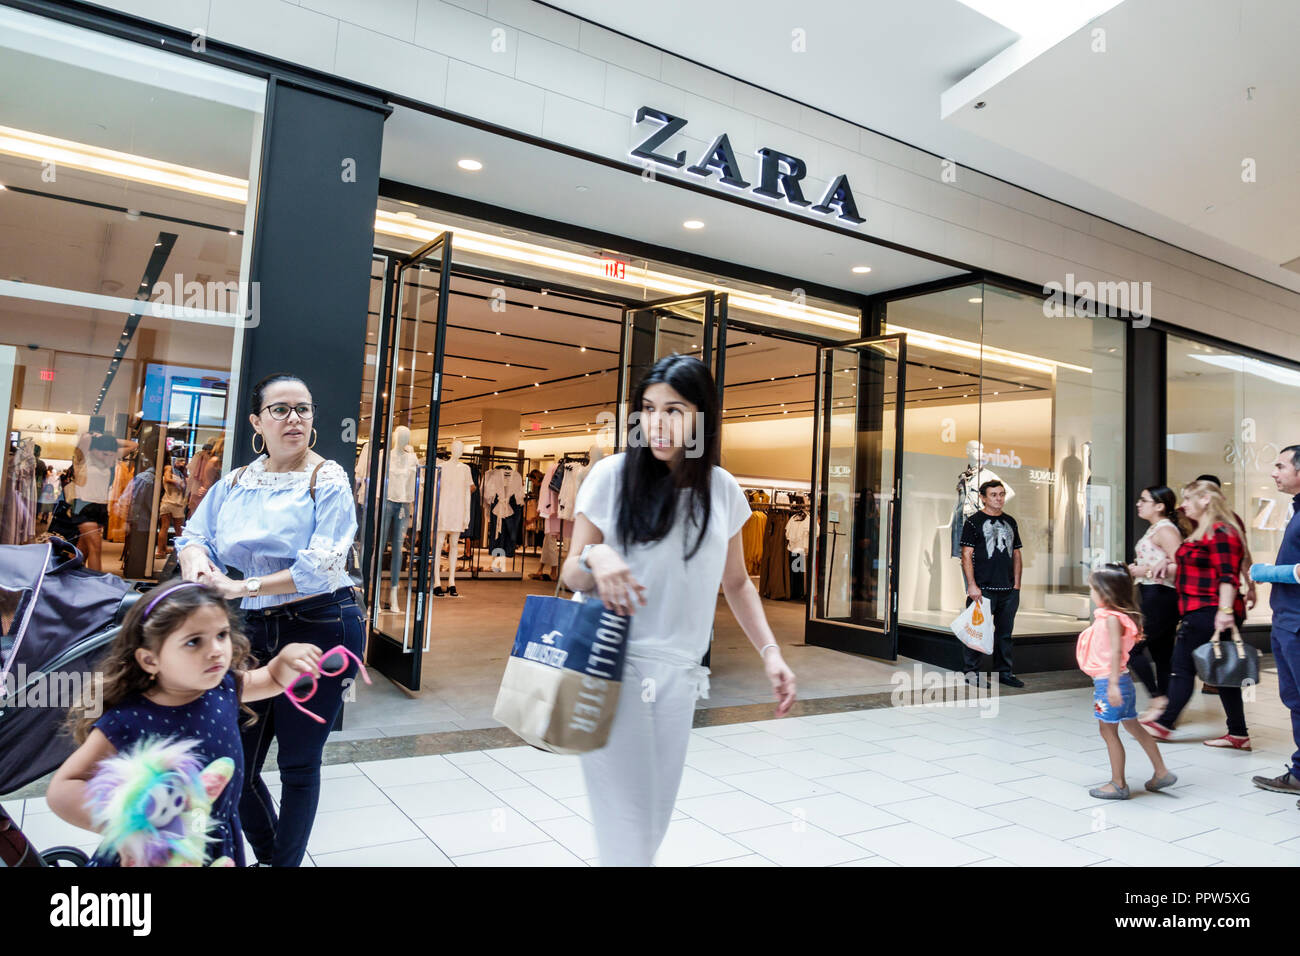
{"points": [[175, 670], [1103, 652]]}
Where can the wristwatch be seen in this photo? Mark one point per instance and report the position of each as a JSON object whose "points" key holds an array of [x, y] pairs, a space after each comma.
{"points": [[252, 586], [582, 559]]}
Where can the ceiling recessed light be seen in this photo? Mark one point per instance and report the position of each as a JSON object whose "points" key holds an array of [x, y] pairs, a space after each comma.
{"points": [[862, 270], [692, 224], [233, 232], [470, 165], [977, 300]]}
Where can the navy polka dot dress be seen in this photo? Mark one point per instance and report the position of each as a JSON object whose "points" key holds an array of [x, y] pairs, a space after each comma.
{"points": [[213, 721]]}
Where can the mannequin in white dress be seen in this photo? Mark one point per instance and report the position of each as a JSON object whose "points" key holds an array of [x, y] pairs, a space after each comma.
{"points": [[455, 486]]}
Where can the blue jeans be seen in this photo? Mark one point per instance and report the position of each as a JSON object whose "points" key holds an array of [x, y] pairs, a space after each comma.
{"points": [[1102, 708], [392, 528], [1286, 655], [327, 621]]}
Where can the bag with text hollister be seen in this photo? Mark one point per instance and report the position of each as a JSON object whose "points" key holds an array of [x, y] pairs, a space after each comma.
{"points": [[560, 689], [974, 626]]}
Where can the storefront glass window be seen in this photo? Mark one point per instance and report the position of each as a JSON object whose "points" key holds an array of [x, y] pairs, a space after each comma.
{"points": [[124, 255], [1229, 415], [995, 389]]}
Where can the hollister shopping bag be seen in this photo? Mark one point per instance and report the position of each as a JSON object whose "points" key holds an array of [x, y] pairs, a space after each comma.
{"points": [[974, 626], [560, 688]]}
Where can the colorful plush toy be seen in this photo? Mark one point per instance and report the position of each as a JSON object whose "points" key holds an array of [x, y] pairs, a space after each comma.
{"points": [[153, 803]]}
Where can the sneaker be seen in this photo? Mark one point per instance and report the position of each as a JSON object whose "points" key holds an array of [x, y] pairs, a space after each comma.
{"points": [[1160, 731], [1228, 740], [1011, 680], [1287, 783]]}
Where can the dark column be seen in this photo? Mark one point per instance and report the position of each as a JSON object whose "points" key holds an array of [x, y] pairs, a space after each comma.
{"points": [[319, 184], [1144, 386]]}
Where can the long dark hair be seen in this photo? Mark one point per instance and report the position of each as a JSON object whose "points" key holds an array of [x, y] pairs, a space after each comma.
{"points": [[648, 507], [122, 674], [1164, 496], [1114, 585]]}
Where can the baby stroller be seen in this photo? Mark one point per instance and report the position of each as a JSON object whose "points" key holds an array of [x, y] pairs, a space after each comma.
{"points": [[56, 619]]}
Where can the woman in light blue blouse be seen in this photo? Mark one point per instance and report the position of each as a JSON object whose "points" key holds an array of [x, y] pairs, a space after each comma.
{"points": [[286, 521]]}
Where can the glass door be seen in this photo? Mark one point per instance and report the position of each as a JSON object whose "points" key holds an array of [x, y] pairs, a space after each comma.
{"points": [[687, 325], [405, 447], [857, 462]]}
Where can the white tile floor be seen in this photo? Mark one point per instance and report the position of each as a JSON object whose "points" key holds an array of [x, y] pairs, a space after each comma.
{"points": [[901, 786]]}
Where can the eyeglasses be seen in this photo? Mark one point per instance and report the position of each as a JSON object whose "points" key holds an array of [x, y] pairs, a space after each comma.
{"points": [[332, 663], [280, 411]]}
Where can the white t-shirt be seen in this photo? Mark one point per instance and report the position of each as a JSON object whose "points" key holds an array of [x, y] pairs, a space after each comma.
{"points": [[681, 595]]}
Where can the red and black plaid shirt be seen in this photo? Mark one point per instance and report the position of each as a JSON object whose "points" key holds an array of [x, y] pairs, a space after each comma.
{"points": [[1204, 565]]}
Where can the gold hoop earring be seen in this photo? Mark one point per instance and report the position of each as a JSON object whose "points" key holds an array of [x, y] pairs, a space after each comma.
{"points": [[256, 450], [313, 439]]}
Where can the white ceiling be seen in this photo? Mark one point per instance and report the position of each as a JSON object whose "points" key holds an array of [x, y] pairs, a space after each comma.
{"points": [[1147, 135], [423, 150]]}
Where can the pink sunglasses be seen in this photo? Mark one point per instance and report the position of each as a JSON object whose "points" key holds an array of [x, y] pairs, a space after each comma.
{"points": [[303, 687]]}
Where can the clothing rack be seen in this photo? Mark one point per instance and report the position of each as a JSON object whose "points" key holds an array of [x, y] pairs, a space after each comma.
{"points": [[569, 457], [487, 458]]}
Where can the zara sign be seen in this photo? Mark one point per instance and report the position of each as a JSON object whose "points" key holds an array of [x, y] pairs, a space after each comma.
{"points": [[779, 174]]}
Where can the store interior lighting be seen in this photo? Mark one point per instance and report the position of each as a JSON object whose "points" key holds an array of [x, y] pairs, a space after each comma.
{"points": [[38, 147]]}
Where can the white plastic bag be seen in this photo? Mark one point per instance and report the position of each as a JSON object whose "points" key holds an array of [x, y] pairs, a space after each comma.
{"points": [[974, 626]]}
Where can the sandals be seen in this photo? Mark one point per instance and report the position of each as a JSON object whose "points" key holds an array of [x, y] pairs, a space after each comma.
{"points": [[1168, 780], [1153, 712], [1114, 793], [1229, 741], [1158, 731]]}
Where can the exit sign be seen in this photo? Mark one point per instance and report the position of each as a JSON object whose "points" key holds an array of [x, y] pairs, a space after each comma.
{"points": [[615, 268], [47, 375]]}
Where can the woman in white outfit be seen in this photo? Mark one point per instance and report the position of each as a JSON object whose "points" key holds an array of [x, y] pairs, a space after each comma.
{"points": [[657, 530]]}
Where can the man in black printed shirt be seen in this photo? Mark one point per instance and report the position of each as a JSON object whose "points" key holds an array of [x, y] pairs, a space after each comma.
{"points": [[990, 559]]}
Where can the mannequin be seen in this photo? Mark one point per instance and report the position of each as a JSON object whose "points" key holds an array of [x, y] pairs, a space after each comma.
{"points": [[399, 498], [455, 486], [968, 492]]}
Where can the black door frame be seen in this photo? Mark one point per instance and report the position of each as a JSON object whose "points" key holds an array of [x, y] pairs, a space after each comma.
{"points": [[875, 642], [402, 661]]}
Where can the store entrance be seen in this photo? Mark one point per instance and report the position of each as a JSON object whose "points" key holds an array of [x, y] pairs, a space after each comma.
{"points": [[495, 379]]}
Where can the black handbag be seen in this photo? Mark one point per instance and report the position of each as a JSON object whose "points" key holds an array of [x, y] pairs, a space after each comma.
{"points": [[1231, 663]]}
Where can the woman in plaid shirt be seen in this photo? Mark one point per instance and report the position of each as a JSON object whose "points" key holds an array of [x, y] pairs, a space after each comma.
{"points": [[1209, 601]]}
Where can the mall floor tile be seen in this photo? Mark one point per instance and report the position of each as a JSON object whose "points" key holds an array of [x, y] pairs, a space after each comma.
{"points": [[873, 787]]}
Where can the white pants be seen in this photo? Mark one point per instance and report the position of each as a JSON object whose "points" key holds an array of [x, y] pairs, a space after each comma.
{"points": [[632, 781]]}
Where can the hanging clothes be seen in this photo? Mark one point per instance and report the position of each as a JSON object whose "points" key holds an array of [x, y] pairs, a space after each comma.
{"points": [[503, 497], [751, 537], [774, 572], [796, 533], [475, 529], [573, 474]]}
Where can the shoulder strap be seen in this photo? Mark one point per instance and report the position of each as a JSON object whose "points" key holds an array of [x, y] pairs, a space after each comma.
{"points": [[311, 489]]}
